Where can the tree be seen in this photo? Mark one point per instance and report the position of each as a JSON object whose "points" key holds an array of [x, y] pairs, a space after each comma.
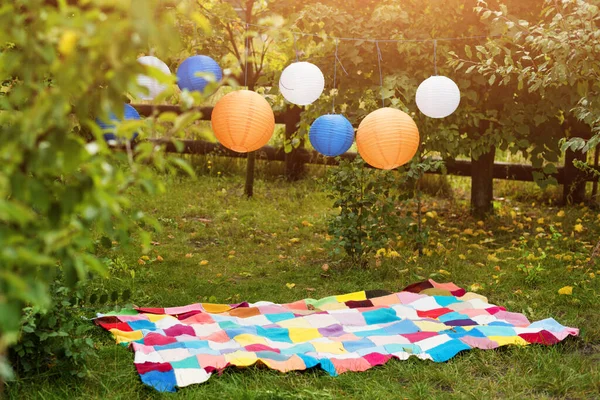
{"points": [[63, 190], [551, 56]]}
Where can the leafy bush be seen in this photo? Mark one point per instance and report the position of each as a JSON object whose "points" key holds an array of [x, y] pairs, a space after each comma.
{"points": [[62, 65], [55, 337], [367, 200]]}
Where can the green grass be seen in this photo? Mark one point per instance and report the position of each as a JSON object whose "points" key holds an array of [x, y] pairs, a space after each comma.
{"points": [[251, 256]]}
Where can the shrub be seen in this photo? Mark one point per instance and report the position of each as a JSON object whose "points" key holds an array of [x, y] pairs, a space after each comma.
{"points": [[367, 200]]}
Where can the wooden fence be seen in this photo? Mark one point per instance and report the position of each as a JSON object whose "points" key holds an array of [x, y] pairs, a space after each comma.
{"points": [[300, 156]]}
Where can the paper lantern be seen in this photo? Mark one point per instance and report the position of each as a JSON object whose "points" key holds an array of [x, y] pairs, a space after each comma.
{"points": [[331, 135], [438, 97], [301, 83], [243, 121], [387, 138], [195, 73], [129, 113], [154, 87]]}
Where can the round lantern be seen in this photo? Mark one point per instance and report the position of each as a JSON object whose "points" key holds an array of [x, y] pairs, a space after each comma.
{"points": [[193, 71], [331, 135], [438, 97], [154, 87], [387, 138], [301, 83], [129, 113], [243, 121]]}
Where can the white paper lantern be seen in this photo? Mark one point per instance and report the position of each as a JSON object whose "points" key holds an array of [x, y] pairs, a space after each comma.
{"points": [[438, 97], [154, 87], [301, 83]]}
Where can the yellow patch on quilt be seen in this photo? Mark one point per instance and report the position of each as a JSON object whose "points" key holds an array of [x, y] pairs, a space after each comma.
{"points": [[215, 308], [356, 296], [429, 326], [333, 348], [157, 317], [122, 336], [241, 358], [246, 339], [506, 340], [298, 335]]}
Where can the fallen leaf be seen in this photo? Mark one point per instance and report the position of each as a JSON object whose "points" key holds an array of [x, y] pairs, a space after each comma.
{"points": [[159, 258], [294, 240], [476, 287], [290, 285], [204, 262], [306, 223], [189, 255], [309, 289], [141, 262], [325, 267], [567, 290], [578, 228]]}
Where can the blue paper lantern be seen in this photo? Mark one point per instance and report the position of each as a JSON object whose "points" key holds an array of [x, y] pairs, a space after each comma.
{"points": [[190, 71], [331, 135], [129, 113]]}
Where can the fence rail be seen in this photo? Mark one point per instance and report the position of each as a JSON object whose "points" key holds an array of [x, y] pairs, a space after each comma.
{"points": [[506, 171]]}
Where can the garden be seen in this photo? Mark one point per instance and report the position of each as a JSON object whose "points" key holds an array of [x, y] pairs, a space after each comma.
{"points": [[319, 199]]}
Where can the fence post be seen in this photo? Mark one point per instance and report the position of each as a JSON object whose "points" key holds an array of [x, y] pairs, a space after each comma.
{"points": [[294, 165], [482, 184], [574, 178]]}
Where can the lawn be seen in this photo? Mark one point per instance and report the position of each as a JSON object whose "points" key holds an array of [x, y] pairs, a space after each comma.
{"points": [[217, 246]]}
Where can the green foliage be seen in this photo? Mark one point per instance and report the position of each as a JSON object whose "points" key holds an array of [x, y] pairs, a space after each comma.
{"points": [[64, 64], [368, 217], [56, 338]]}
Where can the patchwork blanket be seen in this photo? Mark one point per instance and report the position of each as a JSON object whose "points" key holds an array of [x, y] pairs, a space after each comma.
{"points": [[180, 346]]}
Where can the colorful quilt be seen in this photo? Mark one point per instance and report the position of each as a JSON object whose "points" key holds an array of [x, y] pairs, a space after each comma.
{"points": [[179, 346]]}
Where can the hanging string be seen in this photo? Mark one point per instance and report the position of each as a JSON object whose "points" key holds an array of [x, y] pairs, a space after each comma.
{"points": [[247, 50], [334, 78], [435, 57], [296, 48], [379, 60], [336, 60]]}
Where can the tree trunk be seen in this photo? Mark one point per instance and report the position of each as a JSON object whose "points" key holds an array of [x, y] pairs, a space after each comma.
{"points": [[250, 79], [294, 167], [482, 184], [574, 178]]}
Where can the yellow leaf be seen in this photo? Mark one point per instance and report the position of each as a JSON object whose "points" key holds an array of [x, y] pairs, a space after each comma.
{"points": [[306, 223], [189, 255], [567, 290], [141, 262], [392, 254], [294, 240], [493, 258], [290, 285], [468, 231], [578, 228], [431, 214], [462, 257], [159, 258], [476, 287], [560, 214], [204, 262], [67, 42], [380, 252], [480, 223], [444, 272], [540, 221], [145, 258]]}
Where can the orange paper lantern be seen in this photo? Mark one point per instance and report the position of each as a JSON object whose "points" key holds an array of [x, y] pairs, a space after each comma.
{"points": [[243, 121], [387, 138]]}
